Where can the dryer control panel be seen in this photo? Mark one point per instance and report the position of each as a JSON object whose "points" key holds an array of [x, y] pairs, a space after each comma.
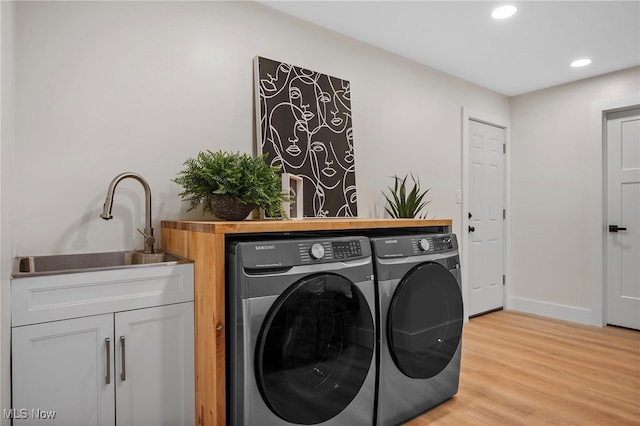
{"points": [[433, 244], [413, 245]]}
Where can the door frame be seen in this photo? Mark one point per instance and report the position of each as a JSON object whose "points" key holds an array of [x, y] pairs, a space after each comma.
{"points": [[597, 228], [467, 115]]}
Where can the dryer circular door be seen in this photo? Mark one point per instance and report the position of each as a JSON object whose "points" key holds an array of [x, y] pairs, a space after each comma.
{"points": [[315, 349], [424, 323]]}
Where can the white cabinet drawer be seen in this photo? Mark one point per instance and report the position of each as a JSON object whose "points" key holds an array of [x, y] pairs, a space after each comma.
{"points": [[54, 297]]}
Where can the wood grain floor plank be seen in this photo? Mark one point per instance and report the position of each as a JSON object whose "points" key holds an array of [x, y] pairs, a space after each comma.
{"points": [[521, 369]]}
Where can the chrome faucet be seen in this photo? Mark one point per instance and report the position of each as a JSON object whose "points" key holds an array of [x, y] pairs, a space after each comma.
{"points": [[147, 232]]}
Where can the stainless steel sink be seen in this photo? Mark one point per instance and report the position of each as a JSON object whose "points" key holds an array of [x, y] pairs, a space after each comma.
{"points": [[68, 263]]}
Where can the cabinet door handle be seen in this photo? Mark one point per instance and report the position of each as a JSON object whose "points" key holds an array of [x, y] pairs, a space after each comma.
{"points": [[107, 344], [123, 373]]}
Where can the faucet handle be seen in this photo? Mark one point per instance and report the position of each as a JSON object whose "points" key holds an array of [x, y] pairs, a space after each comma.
{"points": [[144, 234], [149, 240]]}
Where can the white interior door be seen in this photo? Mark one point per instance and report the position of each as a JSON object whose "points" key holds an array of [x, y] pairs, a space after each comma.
{"points": [[486, 217], [623, 218]]}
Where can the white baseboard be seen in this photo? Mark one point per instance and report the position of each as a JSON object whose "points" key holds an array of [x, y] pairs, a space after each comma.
{"points": [[561, 312]]}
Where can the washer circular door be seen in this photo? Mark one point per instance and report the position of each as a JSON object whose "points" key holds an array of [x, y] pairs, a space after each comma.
{"points": [[315, 349], [424, 324]]}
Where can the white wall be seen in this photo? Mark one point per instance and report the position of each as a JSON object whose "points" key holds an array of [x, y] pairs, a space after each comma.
{"points": [[6, 157], [107, 87], [551, 204]]}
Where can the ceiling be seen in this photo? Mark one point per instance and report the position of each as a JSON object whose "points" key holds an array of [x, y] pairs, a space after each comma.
{"points": [[529, 51]]}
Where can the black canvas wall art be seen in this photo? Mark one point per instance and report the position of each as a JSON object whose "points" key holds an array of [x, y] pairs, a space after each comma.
{"points": [[304, 125]]}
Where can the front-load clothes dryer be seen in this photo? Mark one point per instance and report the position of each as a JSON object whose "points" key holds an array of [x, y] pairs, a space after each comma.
{"points": [[301, 332], [420, 323]]}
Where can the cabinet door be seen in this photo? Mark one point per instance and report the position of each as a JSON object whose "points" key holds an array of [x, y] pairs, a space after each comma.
{"points": [[64, 367], [154, 366]]}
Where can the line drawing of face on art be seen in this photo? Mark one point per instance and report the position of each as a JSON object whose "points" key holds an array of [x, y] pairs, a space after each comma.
{"points": [[289, 139], [341, 197], [327, 170], [307, 95], [336, 156], [275, 82], [337, 112]]}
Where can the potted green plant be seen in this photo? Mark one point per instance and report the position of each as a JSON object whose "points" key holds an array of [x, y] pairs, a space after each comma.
{"points": [[404, 202], [230, 185]]}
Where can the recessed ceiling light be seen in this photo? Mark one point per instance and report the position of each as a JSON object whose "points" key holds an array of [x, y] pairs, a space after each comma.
{"points": [[503, 12], [580, 63]]}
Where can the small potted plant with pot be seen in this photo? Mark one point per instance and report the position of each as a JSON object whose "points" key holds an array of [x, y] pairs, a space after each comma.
{"points": [[231, 185], [405, 202]]}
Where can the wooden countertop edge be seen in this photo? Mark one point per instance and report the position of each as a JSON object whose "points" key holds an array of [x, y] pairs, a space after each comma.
{"points": [[249, 226]]}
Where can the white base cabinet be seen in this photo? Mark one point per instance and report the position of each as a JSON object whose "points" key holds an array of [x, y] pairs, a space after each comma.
{"points": [[128, 368], [154, 366], [59, 369]]}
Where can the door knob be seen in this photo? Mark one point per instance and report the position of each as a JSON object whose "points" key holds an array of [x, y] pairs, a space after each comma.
{"points": [[616, 228], [472, 228]]}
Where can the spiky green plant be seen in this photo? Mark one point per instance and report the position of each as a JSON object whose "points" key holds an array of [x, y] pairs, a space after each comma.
{"points": [[404, 203], [250, 180]]}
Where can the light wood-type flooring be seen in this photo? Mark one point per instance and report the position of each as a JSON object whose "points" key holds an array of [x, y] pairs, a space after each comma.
{"points": [[520, 369]]}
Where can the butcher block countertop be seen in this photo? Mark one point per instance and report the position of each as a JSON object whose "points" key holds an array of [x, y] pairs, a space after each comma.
{"points": [[204, 242], [312, 224]]}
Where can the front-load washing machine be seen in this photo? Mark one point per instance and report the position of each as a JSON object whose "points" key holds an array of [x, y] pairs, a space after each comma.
{"points": [[420, 323], [301, 332]]}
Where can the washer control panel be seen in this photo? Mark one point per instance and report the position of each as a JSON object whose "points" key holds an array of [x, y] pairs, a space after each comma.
{"points": [[347, 249], [278, 254], [329, 250]]}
